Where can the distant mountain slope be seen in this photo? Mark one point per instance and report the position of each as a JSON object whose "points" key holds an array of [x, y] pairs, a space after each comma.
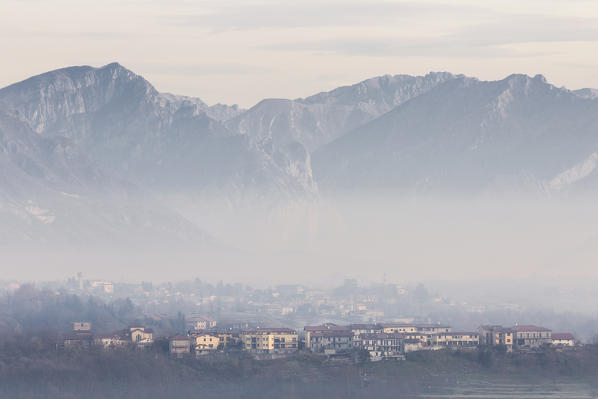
{"points": [[467, 134], [165, 142], [87, 153], [98, 153], [587, 93], [219, 112], [319, 119], [51, 193]]}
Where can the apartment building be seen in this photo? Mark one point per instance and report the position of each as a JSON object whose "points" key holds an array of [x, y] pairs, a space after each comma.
{"points": [[494, 335], [414, 328], [424, 340], [204, 342], [412, 345], [105, 286], [360, 329], [530, 336], [324, 328], [80, 337], [398, 328], [226, 339], [78, 340], [202, 322], [382, 345], [456, 339], [141, 336], [331, 341], [269, 340], [180, 345], [81, 326], [111, 341], [563, 339]]}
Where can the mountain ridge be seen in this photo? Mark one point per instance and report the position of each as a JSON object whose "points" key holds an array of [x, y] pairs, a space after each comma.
{"points": [[466, 120], [106, 144], [128, 127], [316, 120]]}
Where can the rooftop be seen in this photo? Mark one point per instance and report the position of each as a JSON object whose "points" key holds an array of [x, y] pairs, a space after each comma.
{"points": [[326, 327], [530, 328], [497, 328], [180, 338], [264, 330], [341, 333], [362, 326], [558, 336], [459, 333], [391, 325], [382, 335]]}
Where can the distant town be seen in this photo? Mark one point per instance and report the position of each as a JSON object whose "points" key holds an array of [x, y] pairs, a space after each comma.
{"points": [[378, 321], [349, 339], [376, 341], [381, 321]]}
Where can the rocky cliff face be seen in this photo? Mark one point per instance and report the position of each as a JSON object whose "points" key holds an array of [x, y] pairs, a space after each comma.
{"points": [[324, 117], [90, 152], [166, 141], [51, 192], [469, 135], [90, 149]]}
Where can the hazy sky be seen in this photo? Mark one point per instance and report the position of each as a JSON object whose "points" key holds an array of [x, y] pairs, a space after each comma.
{"points": [[243, 51]]}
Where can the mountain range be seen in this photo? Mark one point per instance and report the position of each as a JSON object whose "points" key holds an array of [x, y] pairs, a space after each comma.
{"points": [[517, 133], [88, 152]]}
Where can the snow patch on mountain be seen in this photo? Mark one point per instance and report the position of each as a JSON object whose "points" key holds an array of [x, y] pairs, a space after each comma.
{"points": [[575, 173], [587, 93], [466, 134], [43, 215], [219, 112]]}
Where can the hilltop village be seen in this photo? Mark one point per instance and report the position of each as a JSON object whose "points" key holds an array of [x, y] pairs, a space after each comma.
{"points": [[375, 341]]}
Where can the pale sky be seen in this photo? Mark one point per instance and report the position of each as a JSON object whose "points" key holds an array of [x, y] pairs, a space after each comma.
{"points": [[244, 51]]}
